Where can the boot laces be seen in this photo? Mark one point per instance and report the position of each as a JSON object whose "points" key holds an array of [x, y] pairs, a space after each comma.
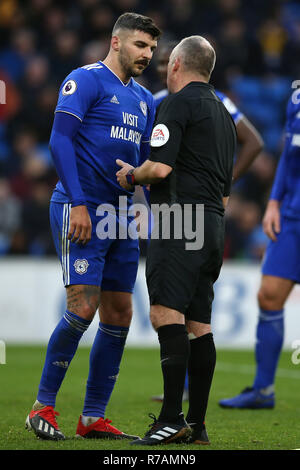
{"points": [[153, 426], [50, 415]]}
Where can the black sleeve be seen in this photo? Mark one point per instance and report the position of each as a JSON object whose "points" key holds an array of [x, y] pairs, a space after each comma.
{"points": [[227, 188], [169, 126]]}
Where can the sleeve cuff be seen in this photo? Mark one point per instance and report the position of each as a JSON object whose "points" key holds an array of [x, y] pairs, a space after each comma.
{"points": [[78, 202]]}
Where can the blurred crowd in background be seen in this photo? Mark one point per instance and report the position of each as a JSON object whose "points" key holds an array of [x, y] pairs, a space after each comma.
{"points": [[258, 57]]}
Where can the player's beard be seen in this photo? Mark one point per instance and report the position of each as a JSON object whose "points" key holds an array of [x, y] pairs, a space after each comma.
{"points": [[130, 68]]}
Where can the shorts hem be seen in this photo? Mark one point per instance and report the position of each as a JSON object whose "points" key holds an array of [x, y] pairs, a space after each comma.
{"points": [[164, 304], [281, 276], [117, 289], [91, 283]]}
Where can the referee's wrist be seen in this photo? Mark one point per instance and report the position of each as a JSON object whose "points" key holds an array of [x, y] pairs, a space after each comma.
{"points": [[131, 178]]}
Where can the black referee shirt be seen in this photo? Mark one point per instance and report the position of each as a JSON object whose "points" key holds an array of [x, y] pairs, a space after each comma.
{"points": [[196, 136]]}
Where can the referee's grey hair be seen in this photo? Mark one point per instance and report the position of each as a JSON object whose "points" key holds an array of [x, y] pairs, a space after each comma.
{"points": [[197, 55]]}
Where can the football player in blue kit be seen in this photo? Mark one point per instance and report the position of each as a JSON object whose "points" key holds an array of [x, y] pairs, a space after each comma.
{"points": [[249, 140], [102, 113], [280, 267]]}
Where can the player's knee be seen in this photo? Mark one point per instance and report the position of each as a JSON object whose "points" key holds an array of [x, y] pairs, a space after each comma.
{"points": [[85, 311], [83, 301], [123, 316], [268, 299], [120, 316]]}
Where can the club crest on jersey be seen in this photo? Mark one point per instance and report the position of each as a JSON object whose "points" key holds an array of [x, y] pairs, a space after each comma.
{"points": [[143, 106], [69, 88], [81, 266], [160, 135]]}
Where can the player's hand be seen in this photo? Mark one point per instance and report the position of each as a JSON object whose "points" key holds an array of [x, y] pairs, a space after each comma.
{"points": [[271, 220], [121, 175], [80, 230]]}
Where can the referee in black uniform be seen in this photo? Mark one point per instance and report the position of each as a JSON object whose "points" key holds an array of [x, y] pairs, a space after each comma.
{"points": [[192, 149]]}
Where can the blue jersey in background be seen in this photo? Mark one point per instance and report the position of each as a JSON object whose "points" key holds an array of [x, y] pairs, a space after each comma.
{"points": [[282, 258], [286, 186]]}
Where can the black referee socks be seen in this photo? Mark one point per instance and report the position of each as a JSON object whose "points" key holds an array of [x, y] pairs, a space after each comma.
{"points": [[201, 367], [174, 354]]}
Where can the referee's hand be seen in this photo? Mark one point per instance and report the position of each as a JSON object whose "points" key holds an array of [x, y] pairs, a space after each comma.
{"points": [[271, 220], [80, 230], [121, 174]]}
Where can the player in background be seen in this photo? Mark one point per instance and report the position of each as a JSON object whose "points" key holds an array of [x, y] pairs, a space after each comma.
{"points": [[249, 140], [280, 268], [102, 113]]}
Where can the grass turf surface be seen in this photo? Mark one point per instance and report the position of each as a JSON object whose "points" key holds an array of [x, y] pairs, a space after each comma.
{"points": [[139, 378]]}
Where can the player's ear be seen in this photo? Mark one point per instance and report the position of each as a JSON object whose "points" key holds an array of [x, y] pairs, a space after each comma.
{"points": [[115, 43]]}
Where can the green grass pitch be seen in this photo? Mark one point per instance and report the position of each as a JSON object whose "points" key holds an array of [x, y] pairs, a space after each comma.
{"points": [[139, 378]]}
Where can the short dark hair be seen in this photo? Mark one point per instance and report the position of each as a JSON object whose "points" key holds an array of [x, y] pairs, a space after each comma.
{"points": [[134, 21]]}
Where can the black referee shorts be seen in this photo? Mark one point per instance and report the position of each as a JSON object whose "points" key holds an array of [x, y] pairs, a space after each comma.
{"points": [[183, 279]]}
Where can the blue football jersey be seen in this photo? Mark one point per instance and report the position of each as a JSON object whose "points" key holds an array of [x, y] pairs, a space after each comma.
{"points": [[229, 105], [286, 186], [116, 118]]}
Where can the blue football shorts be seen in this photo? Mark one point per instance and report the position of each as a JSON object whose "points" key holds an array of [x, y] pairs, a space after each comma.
{"points": [[110, 263], [282, 258]]}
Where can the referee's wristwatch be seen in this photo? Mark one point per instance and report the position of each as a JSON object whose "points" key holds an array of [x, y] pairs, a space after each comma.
{"points": [[130, 178]]}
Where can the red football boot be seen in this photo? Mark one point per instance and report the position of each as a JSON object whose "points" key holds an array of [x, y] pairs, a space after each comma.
{"points": [[43, 422], [100, 429]]}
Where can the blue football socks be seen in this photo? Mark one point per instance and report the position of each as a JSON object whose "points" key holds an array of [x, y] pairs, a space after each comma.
{"points": [[62, 346], [270, 332], [105, 358]]}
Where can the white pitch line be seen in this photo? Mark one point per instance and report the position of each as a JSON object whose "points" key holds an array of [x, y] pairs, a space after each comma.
{"points": [[248, 369]]}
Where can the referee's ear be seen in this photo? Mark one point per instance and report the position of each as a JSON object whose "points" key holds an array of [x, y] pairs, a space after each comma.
{"points": [[176, 64]]}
